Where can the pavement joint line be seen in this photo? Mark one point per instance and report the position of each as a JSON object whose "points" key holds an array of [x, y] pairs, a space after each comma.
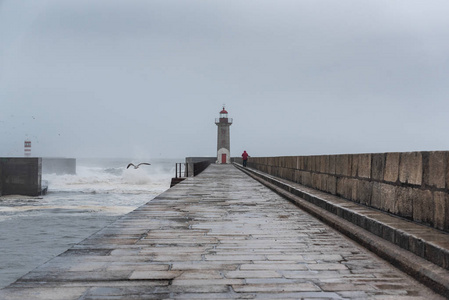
{"points": [[421, 269]]}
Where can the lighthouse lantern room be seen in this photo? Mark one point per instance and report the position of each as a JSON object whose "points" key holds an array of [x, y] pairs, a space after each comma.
{"points": [[223, 138]]}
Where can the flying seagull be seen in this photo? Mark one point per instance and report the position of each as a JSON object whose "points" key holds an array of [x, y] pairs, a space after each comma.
{"points": [[135, 167]]}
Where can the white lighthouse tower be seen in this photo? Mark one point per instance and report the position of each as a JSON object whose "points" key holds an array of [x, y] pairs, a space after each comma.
{"points": [[223, 139]]}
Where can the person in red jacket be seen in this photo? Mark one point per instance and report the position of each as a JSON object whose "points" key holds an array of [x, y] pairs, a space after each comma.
{"points": [[245, 158]]}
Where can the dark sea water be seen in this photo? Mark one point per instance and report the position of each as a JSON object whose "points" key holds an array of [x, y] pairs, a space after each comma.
{"points": [[36, 229]]}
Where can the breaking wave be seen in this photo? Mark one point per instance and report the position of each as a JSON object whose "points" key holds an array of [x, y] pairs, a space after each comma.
{"points": [[112, 180]]}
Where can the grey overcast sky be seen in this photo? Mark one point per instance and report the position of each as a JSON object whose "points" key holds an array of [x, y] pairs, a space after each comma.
{"points": [[147, 78]]}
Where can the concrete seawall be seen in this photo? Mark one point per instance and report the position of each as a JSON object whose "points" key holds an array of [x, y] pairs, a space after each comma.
{"points": [[21, 176], [412, 185]]}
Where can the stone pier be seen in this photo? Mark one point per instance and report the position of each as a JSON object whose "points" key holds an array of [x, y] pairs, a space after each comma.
{"points": [[219, 235]]}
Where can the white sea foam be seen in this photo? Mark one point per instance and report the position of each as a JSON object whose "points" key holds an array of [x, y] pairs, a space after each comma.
{"points": [[110, 179]]}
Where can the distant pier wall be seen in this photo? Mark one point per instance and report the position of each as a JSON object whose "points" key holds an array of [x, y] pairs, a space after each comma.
{"points": [[21, 176], [58, 165], [198, 163], [413, 185]]}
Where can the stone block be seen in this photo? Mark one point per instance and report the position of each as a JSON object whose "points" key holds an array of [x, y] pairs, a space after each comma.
{"points": [[281, 161], [288, 174], [307, 163], [388, 233], [364, 191], [355, 165], [376, 196], [154, 275], [315, 163], [347, 188], [391, 167], [324, 179], [441, 218], [263, 168], [322, 164], [352, 189], [276, 288], [289, 162], [434, 254], [423, 206], [402, 239], [342, 165], [341, 186], [417, 246], [364, 166], [280, 172], [374, 227], [312, 163], [307, 179], [384, 197], [297, 177], [410, 168], [332, 185], [315, 180], [388, 198], [323, 182], [300, 163], [318, 163], [435, 165], [404, 202], [276, 161], [294, 162], [326, 164], [378, 166], [331, 169], [275, 171]]}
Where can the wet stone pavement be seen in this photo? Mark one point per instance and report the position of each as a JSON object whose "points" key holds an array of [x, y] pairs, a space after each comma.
{"points": [[220, 235]]}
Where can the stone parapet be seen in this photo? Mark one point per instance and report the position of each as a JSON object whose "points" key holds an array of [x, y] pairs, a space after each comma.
{"points": [[413, 185]]}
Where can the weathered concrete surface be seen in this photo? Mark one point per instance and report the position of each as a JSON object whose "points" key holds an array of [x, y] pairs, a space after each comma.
{"points": [[219, 235], [419, 250], [20, 175]]}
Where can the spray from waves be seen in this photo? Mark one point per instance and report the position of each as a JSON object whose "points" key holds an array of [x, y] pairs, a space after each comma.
{"points": [[96, 179]]}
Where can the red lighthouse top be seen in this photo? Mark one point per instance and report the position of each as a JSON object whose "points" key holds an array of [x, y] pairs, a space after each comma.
{"points": [[223, 118]]}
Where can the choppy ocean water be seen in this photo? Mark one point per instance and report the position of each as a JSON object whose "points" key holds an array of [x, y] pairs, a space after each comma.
{"points": [[36, 229]]}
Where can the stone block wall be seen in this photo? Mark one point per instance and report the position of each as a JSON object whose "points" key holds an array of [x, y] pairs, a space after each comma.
{"points": [[413, 185]]}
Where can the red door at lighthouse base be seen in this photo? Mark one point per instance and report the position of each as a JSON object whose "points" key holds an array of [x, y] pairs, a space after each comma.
{"points": [[223, 158]]}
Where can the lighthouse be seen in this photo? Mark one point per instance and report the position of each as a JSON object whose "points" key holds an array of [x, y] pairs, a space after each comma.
{"points": [[223, 139], [27, 148]]}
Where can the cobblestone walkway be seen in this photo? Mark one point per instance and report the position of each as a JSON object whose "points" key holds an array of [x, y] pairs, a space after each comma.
{"points": [[217, 236]]}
